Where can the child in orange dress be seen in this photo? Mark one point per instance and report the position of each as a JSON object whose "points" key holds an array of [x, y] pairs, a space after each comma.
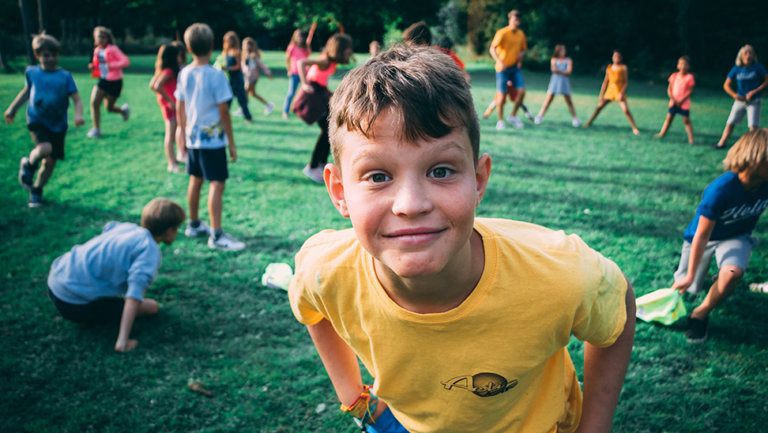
{"points": [[615, 89]]}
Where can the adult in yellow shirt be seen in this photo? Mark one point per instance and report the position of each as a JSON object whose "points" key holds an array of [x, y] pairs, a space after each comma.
{"points": [[507, 49]]}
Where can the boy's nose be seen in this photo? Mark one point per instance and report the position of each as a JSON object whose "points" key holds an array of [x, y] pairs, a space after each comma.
{"points": [[411, 198]]}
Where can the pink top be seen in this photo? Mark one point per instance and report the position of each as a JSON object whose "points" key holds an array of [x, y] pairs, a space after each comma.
{"points": [[320, 76], [295, 54], [680, 86], [115, 59], [170, 88], [251, 67]]}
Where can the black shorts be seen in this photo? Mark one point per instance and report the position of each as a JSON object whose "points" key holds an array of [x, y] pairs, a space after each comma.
{"points": [[210, 164], [100, 310], [41, 134], [677, 110], [113, 88]]}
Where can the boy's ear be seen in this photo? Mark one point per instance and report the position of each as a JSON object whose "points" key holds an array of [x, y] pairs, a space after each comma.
{"points": [[482, 173], [335, 187]]}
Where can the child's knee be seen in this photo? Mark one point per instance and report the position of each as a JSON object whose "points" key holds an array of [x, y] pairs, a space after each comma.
{"points": [[44, 149], [730, 274]]}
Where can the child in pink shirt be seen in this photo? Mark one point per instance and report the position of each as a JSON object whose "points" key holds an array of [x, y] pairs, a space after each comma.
{"points": [[299, 49], [681, 85]]}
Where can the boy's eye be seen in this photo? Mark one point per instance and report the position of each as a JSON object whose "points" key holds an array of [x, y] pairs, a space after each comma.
{"points": [[440, 172], [379, 178]]}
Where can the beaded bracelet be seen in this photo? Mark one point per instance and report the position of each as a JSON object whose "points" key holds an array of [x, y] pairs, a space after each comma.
{"points": [[362, 408]]}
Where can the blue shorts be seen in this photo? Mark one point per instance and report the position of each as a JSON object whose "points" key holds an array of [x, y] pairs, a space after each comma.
{"points": [[512, 74], [210, 164], [677, 110]]}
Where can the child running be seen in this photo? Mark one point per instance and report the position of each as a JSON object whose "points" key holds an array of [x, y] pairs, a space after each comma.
{"points": [[462, 321], [559, 84], [680, 87], [251, 64], [751, 79], [299, 49], [231, 52], [338, 49], [105, 279], [508, 48], [615, 89], [107, 65], [728, 212], [163, 83], [49, 88], [202, 107]]}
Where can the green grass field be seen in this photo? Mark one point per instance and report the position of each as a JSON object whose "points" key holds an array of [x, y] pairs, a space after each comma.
{"points": [[628, 197]]}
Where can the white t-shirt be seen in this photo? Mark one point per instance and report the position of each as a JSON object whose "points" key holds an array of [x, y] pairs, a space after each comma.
{"points": [[202, 88]]}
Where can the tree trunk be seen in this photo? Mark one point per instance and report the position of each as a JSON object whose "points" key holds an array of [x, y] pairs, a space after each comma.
{"points": [[25, 27]]}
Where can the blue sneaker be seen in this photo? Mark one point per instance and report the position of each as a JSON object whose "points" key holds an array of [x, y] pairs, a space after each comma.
{"points": [[26, 173], [35, 199]]}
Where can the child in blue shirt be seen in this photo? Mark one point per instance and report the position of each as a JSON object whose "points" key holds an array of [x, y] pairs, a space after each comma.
{"points": [[48, 88], [104, 279], [751, 79], [723, 224]]}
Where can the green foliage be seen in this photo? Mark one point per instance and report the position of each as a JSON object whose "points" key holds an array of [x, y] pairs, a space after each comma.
{"points": [[628, 197]]}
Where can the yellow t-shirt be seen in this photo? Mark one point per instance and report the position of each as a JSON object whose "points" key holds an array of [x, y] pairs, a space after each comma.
{"points": [[495, 363], [508, 44]]}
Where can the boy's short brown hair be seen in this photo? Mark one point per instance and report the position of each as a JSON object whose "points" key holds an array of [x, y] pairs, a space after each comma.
{"points": [[199, 39], [335, 47], [424, 87], [749, 151], [417, 34], [45, 42], [160, 214]]}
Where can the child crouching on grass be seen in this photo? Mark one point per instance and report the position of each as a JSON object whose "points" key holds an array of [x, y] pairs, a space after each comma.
{"points": [[728, 212], [463, 321], [48, 88], [105, 279]]}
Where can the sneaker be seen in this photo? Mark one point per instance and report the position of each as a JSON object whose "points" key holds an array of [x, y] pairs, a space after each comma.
{"points": [[576, 122], [126, 111], [193, 232], [515, 122], [315, 174], [26, 173], [537, 120], [268, 109], [697, 330], [93, 133], [500, 125], [225, 242], [35, 199], [238, 112]]}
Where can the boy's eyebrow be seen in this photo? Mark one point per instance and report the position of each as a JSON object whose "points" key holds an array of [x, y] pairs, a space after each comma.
{"points": [[447, 145]]}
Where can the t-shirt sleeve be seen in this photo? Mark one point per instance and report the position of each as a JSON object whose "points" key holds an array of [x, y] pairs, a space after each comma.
{"points": [[497, 38], [223, 91], [712, 204], [601, 317], [733, 72], [143, 270], [178, 94], [760, 71], [671, 78], [301, 294], [27, 78]]}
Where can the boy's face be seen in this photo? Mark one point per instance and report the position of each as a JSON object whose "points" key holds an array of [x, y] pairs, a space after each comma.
{"points": [[682, 65], [48, 59], [412, 205], [514, 21], [616, 57], [169, 235]]}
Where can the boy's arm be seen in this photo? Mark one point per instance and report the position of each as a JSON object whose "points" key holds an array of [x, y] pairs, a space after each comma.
{"points": [[341, 364], [20, 99], [226, 124], [604, 371], [760, 88], [729, 91], [79, 121], [130, 309], [181, 118], [698, 245]]}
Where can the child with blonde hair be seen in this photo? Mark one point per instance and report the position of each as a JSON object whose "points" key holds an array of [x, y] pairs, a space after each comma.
{"points": [[750, 79], [163, 83], [107, 65], [559, 83], [49, 87], [679, 91], [251, 64], [722, 227], [614, 88]]}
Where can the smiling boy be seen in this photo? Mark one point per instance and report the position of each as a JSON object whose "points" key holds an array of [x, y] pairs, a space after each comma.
{"points": [[462, 321]]}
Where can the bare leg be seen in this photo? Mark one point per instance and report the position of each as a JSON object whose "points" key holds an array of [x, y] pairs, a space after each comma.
{"points": [[42, 150], [727, 279], [501, 98], [170, 139], [545, 106], [97, 95], [625, 109], [111, 107], [489, 110], [665, 126], [726, 133], [688, 128], [215, 194], [45, 172], [258, 97], [193, 196], [598, 109], [569, 102], [518, 101]]}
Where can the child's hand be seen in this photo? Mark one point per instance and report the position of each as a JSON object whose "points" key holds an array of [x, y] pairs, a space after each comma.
{"points": [[126, 346], [90, 65], [740, 98], [232, 154], [9, 115], [307, 88], [750, 95], [79, 121], [683, 284]]}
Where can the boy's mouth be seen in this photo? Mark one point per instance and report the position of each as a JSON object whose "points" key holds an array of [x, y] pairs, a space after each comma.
{"points": [[415, 234]]}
